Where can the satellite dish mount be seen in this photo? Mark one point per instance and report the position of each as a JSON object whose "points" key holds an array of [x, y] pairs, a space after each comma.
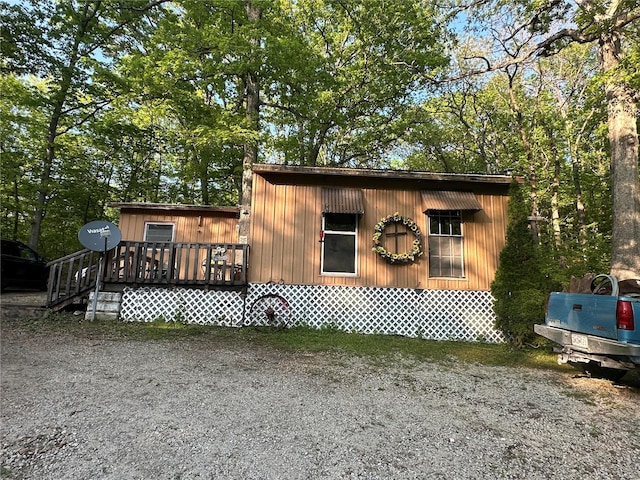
{"points": [[99, 236]]}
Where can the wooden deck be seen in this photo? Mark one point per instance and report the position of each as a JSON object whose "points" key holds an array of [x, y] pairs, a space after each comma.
{"points": [[197, 265]]}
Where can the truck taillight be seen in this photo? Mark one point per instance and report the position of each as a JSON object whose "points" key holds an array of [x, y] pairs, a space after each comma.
{"points": [[624, 315]]}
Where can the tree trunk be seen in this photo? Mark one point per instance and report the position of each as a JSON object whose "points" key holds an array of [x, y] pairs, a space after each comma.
{"points": [[47, 167], [622, 112], [248, 159], [533, 182], [250, 149], [576, 172], [555, 186], [577, 188], [58, 103], [555, 209], [16, 212]]}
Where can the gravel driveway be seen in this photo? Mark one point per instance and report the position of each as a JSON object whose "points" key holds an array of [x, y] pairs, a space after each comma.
{"points": [[86, 407]]}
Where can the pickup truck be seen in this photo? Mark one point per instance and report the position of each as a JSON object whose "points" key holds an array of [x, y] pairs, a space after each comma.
{"points": [[598, 332]]}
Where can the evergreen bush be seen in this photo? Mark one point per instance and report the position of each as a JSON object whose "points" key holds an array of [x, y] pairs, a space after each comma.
{"points": [[520, 287]]}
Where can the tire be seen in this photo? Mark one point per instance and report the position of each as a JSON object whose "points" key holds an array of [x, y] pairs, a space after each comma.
{"points": [[270, 310], [594, 370]]}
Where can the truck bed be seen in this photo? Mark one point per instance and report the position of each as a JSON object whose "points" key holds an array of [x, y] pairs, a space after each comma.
{"points": [[596, 330], [591, 314]]}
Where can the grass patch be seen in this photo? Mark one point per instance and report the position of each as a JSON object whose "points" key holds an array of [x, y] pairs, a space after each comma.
{"points": [[382, 347], [378, 348]]}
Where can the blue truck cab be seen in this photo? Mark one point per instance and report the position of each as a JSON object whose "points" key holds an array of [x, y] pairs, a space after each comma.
{"points": [[598, 332]]}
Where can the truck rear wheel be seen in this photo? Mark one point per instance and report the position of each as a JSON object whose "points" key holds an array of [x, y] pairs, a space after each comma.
{"points": [[594, 370]]}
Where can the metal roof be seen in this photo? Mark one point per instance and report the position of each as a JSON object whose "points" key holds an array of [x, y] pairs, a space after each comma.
{"points": [[449, 200], [342, 200], [298, 172], [174, 207]]}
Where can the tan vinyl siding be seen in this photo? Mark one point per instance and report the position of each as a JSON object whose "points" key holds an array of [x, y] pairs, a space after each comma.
{"points": [[285, 233], [189, 227]]}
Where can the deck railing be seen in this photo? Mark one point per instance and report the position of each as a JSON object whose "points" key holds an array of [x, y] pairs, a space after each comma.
{"points": [[148, 263], [71, 278], [205, 264]]}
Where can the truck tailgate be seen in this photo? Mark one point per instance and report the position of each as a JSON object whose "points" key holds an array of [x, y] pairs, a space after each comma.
{"points": [[583, 313]]}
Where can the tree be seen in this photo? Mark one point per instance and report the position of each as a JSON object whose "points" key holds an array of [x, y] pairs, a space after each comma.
{"points": [[554, 106], [343, 88], [68, 45], [176, 106], [304, 82], [251, 83], [203, 62], [520, 286], [18, 153], [540, 28]]}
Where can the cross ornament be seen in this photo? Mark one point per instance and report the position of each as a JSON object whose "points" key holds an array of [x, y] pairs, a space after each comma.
{"points": [[395, 234]]}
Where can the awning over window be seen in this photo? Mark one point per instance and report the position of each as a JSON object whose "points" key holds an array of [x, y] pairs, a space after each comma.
{"points": [[342, 200], [449, 200]]}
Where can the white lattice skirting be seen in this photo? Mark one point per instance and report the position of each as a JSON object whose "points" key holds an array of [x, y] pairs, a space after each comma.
{"points": [[431, 314]]}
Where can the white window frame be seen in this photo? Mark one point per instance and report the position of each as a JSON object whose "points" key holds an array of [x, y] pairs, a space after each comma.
{"points": [[450, 235], [344, 233], [146, 230]]}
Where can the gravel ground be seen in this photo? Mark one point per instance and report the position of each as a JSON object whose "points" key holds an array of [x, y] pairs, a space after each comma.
{"points": [[76, 407]]}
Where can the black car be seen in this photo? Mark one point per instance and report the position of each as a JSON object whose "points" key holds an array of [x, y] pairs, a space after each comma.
{"points": [[22, 267]]}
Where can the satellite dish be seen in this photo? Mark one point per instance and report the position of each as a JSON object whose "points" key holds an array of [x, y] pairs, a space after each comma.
{"points": [[99, 236]]}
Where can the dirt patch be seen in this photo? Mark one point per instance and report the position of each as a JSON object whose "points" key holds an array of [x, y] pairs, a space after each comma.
{"points": [[80, 407]]}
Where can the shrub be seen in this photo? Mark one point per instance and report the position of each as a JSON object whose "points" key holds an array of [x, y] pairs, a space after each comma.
{"points": [[520, 287]]}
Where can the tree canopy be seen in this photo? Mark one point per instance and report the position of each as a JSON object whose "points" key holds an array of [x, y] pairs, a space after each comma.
{"points": [[160, 101]]}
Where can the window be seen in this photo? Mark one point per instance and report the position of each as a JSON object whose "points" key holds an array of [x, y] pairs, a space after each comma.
{"points": [[339, 243], [445, 244], [16, 249], [158, 232], [27, 254]]}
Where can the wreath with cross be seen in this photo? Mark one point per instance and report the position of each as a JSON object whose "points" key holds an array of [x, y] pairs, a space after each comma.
{"points": [[379, 231]]}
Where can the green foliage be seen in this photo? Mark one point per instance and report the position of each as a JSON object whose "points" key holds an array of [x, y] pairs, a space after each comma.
{"points": [[343, 86], [21, 121], [608, 29], [145, 101], [520, 287], [62, 53], [154, 110]]}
